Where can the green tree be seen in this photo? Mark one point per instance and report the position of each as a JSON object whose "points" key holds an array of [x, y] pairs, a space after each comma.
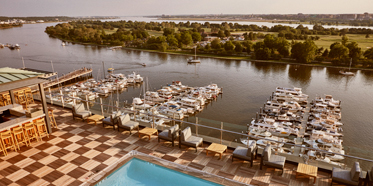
{"points": [[229, 46], [172, 41], [168, 31], [325, 53], [263, 53], [304, 52], [196, 36], [369, 54], [227, 33], [282, 45], [216, 44], [163, 47], [354, 51], [344, 40], [238, 47], [208, 47], [221, 33], [338, 52], [186, 38]]}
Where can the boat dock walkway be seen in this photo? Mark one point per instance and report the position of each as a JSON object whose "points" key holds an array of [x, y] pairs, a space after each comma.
{"points": [[302, 131], [70, 76]]}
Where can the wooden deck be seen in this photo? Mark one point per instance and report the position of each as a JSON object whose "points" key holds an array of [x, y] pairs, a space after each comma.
{"points": [[78, 150], [67, 77]]}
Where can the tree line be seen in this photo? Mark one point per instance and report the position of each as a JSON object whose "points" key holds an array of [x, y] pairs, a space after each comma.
{"points": [[185, 35]]}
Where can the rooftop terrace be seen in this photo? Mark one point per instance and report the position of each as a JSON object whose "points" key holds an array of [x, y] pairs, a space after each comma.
{"points": [[78, 150]]}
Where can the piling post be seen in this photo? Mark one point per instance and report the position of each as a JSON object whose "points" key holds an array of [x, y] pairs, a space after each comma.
{"points": [[221, 133], [173, 121], [50, 95], [102, 107], [62, 101], [74, 100], [257, 117], [197, 126], [153, 119], [86, 99]]}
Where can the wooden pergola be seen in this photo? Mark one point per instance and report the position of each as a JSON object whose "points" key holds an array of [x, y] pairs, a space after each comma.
{"points": [[14, 79]]}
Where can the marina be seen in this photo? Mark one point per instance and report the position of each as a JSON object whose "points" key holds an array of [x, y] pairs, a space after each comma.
{"points": [[243, 81], [288, 117]]}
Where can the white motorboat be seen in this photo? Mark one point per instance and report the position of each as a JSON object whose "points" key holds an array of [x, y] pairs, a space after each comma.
{"points": [[186, 102], [136, 77], [260, 132], [139, 104], [153, 96]]}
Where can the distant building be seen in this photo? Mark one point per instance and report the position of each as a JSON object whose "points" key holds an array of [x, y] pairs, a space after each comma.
{"points": [[40, 21], [210, 38]]}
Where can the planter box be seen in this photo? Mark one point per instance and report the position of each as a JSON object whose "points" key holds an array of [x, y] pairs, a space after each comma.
{"points": [[34, 113]]}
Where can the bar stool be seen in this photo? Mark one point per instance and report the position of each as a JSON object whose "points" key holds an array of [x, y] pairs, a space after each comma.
{"points": [[29, 97], [7, 140], [6, 99], [19, 136], [1, 101], [51, 118], [2, 149], [20, 96], [41, 128], [30, 131]]}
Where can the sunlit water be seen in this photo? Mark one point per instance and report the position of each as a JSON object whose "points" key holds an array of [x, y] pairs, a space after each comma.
{"points": [[246, 85]]}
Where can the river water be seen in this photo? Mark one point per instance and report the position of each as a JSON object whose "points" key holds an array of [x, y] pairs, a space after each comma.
{"points": [[246, 85]]}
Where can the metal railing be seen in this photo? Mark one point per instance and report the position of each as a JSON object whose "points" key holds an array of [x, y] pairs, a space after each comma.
{"points": [[197, 126]]}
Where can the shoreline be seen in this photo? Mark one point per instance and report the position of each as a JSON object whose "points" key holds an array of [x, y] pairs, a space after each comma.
{"points": [[215, 56]]}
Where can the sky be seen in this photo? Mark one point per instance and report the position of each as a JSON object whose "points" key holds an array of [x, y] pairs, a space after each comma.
{"points": [[176, 7]]}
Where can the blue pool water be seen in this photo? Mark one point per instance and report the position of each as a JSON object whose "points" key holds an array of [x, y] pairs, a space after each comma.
{"points": [[139, 172]]}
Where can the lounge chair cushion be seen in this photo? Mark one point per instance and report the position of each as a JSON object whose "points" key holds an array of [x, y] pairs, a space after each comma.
{"points": [[173, 130], [251, 148], [107, 121], [355, 172], [193, 141], [164, 135], [83, 114], [267, 153], [242, 153], [79, 108], [343, 176], [130, 125], [276, 161], [185, 134], [124, 119]]}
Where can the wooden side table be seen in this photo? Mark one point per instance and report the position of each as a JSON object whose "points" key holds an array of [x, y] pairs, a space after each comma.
{"points": [[95, 118], [307, 170], [147, 132], [216, 148]]}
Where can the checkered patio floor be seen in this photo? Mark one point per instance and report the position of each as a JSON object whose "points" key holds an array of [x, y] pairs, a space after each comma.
{"points": [[78, 150]]}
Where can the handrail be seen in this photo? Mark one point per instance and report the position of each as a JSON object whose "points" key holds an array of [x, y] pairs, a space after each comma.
{"points": [[223, 130]]}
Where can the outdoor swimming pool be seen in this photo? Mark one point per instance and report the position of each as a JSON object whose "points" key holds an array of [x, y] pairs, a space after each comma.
{"points": [[140, 172]]}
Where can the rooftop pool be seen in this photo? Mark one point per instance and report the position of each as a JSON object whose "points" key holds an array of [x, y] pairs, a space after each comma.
{"points": [[140, 172]]}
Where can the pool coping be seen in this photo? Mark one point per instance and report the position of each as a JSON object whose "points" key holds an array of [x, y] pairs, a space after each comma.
{"points": [[94, 179]]}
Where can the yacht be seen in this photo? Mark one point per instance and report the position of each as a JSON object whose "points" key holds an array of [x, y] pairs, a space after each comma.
{"points": [[186, 102], [139, 104], [136, 77], [195, 60]]}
